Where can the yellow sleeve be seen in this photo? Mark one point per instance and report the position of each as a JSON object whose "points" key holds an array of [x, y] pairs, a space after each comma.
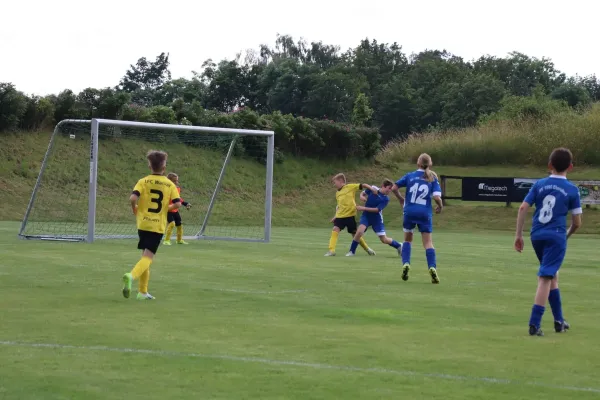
{"points": [[138, 187], [354, 186]]}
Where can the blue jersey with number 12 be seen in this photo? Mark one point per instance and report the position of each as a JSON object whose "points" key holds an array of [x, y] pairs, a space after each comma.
{"points": [[418, 193], [553, 197]]}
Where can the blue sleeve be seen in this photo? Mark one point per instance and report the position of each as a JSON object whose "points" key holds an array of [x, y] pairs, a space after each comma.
{"points": [[367, 192], [530, 198], [383, 204], [402, 181], [575, 202], [436, 190]]}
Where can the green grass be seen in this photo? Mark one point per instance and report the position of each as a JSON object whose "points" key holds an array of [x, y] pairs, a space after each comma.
{"points": [[280, 321]]}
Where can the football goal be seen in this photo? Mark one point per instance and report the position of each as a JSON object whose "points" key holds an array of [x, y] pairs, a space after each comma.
{"points": [[91, 166]]}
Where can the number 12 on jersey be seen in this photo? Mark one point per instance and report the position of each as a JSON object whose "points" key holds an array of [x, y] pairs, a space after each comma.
{"points": [[419, 194]]}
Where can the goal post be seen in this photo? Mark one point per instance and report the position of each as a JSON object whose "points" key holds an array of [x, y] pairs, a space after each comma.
{"points": [[91, 166]]}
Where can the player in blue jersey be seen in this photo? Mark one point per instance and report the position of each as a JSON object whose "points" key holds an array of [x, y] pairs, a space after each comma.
{"points": [[421, 186], [553, 197], [376, 200]]}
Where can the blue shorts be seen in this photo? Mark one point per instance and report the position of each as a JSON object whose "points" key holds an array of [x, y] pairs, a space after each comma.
{"points": [[551, 253], [424, 224], [375, 222]]}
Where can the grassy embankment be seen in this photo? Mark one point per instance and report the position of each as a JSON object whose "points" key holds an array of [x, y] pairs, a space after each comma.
{"points": [[303, 195]]}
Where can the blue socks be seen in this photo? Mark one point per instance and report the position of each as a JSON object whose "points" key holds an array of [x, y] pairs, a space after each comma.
{"points": [[536, 315], [395, 244], [556, 305], [538, 311], [353, 247], [406, 253], [430, 254]]}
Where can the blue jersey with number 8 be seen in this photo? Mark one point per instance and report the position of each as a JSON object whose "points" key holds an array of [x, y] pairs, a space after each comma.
{"points": [[418, 193], [553, 197]]}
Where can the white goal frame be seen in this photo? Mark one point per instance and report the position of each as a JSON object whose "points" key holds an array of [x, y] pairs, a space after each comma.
{"points": [[96, 123]]}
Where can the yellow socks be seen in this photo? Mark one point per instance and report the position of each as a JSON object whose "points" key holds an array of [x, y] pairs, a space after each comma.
{"points": [[169, 231], [144, 278], [141, 267], [333, 241], [363, 244], [180, 233]]}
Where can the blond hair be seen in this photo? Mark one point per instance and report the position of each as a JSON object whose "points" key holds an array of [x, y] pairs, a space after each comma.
{"points": [[172, 176], [424, 162], [157, 160], [340, 177]]}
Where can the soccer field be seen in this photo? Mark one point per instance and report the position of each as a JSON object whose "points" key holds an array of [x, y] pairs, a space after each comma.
{"points": [[280, 321]]}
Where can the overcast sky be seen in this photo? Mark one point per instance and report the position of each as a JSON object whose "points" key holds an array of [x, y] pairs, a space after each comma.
{"points": [[47, 46]]}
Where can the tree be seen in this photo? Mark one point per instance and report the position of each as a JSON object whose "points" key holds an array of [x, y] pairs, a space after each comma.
{"points": [[378, 62], [590, 83], [285, 84], [330, 95], [464, 103], [88, 100], [39, 114], [431, 72], [146, 75], [362, 111], [188, 90], [226, 85], [521, 73], [13, 105], [573, 95], [110, 103], [394, 108], [65, 105]]}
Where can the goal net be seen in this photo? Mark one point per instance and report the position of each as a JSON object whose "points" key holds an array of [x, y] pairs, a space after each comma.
{"points": [[90, 168]]}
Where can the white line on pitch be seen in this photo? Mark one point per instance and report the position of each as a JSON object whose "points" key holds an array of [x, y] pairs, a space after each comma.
{"points": [[300, 364], [253, 291]]}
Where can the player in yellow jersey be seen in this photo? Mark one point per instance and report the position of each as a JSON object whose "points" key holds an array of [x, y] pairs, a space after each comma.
{"points": [[345, 213], [173, 217], [152, 198]]}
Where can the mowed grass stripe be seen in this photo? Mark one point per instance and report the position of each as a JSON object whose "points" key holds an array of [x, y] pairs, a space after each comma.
{"points": [[292, 363]]}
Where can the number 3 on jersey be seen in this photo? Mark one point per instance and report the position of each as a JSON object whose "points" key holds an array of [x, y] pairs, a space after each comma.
{"points": [[414, 191], [547, 207], [158, 200]]}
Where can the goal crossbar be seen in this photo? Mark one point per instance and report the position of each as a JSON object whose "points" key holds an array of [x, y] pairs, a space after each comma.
{"points": [[97, 123]]}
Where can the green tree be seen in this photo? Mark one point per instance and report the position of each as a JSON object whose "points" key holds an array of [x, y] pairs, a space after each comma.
{"points": [[430, 74], [362, 111], [13, 105], [188, 90], [111, 102], [330, 96], [521, 74], [145, 75], [226, 85], [88, 100], [395, 109], [39, 114], [591, 84], [574, 95], [377, 62], [464, 103], [65, 105]]}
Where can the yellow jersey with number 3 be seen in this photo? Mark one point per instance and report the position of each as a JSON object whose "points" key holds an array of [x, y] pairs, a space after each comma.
{"points": [[346, 200], [155, 192]]}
